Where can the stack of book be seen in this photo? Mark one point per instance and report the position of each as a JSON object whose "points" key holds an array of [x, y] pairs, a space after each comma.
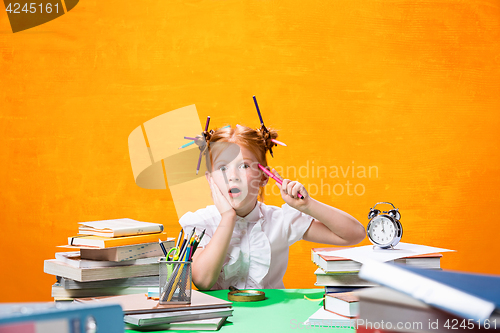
{"points": [[340, 310], [204, 313], [114, 257], [339, 274], [340, 277]]}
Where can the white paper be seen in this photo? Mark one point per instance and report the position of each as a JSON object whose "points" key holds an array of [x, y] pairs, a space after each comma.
{"points": [[325, 318], [366, 253]]}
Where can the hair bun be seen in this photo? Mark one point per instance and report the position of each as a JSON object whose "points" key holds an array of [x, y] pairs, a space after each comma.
{"points": [[208, 135], [268, 134], [203, 141]]}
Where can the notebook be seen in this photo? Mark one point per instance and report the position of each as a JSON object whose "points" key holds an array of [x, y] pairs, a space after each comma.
{"points": [[123, 253], [201, 325], [158, 318], [139, 303], [141, 281], [106, 242]]}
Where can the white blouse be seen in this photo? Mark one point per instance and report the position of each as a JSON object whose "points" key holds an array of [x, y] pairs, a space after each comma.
{"points": [[257, 255]]}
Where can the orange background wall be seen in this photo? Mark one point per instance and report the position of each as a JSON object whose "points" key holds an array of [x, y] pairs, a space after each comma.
{"points": [[409, 87]]}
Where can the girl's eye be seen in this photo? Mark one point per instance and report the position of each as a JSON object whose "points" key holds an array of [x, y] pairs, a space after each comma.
{"points": [[245, 166], [223, 168]]}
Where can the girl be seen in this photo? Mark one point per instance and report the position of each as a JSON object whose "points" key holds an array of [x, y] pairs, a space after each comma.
{"points": [[246, 242]]}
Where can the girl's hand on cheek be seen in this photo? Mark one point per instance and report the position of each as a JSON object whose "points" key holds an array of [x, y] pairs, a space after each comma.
{"points": [[220, 201], [290, 189]]}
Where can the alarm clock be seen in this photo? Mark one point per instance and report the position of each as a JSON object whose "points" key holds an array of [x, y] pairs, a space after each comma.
{"points": [[384, 229]]}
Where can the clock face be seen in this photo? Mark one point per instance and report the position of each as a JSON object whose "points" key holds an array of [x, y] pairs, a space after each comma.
{"points": [[382, 230]]}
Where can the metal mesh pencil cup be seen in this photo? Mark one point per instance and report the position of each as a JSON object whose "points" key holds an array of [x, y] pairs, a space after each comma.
{"points": [[175, 282]]}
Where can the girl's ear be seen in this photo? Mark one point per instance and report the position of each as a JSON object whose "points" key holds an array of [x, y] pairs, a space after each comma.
{"points": [[264, 179], [208, 176]]}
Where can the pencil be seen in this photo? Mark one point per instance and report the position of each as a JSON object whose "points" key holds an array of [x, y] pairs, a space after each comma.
{"points": [[185, 244], [279, 181], [190, 239], [179, 238], [195, 244], [163, 248], [199, 162], [198, 243], [206, 124], [202, 234], [186, 145], [177, 255], [278, 142], [186, 254], [258, 111]]}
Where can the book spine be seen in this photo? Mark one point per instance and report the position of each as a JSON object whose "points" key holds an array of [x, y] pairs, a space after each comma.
{"points": [[54, 267], [134, 231], [72, 239], [144, 281], [106, 242], [110, 254]]}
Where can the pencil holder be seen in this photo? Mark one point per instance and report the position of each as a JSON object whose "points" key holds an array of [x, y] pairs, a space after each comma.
{"points": [[175, 282]]}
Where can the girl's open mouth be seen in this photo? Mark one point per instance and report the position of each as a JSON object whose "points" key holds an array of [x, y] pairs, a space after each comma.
{"points": [[234, 192]]}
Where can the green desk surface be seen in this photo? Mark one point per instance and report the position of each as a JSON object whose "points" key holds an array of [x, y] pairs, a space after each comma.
{"points": [[282, 311]]}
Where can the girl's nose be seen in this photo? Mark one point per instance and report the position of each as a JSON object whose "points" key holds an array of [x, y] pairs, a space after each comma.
{"points": [[234, 174]]}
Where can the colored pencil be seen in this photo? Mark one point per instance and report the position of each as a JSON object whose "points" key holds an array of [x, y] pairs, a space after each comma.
{"points": [[186, 145], [279, 181], [258, 111], [278, 142], [179, 238], [162, 247]]}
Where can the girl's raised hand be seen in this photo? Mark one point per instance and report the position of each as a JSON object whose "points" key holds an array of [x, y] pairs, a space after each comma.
{"points": [[220, 201], [289, 190]]}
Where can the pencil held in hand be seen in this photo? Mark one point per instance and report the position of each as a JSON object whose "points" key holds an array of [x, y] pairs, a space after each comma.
{"points": [[276, 179]]}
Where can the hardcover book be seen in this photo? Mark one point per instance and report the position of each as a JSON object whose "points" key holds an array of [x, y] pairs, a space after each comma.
{"points": [[58, 268]]}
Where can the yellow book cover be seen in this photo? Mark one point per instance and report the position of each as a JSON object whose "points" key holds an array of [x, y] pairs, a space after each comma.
{"points": [[106, 242]]}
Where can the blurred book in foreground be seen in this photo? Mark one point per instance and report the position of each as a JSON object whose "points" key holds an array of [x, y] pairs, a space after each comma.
{"points": [[466, 295]]}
